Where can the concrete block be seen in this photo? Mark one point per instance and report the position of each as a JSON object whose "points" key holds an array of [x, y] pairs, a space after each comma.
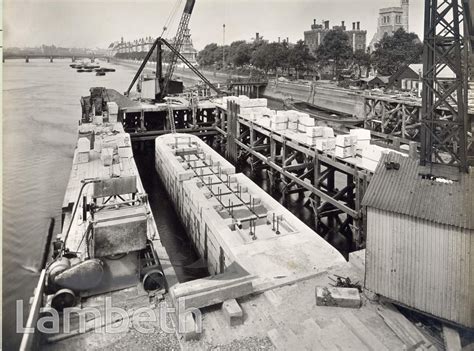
{"points": [[112, 107], [232, 312], [125, 152], [360, 133], [82, 157], [345, 152], [325, 144], [98, 120], [362, 143], [188, 327], [344, 140], [106, 156], [314, 132], [337, 297], [328, 132], [301, 128], [83, 145]]}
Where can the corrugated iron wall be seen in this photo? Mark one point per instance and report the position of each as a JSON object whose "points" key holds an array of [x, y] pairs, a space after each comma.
{"points": [[421, 264]]}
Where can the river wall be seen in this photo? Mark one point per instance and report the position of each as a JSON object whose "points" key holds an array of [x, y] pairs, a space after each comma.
{"points": [[326, 95]]}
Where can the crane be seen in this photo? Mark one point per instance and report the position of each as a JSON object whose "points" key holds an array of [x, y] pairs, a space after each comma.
{"points": [[177, 44], [163, 84]]}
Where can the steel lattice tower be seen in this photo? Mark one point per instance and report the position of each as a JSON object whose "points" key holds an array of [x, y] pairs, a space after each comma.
{"points": [[444, 120]]}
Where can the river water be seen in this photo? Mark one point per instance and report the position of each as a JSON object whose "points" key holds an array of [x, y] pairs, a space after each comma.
{"points": [[40, 115], [41, 110]]}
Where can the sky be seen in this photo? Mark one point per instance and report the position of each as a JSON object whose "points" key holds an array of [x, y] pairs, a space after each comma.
{"points": [[93, 23]]}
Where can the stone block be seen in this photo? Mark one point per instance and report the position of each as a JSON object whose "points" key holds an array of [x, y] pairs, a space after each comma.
{"points": [[232, 312], [337, 297]]}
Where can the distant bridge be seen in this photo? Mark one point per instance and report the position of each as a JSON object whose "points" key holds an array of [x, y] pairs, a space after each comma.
{"points": [[51, 57]]}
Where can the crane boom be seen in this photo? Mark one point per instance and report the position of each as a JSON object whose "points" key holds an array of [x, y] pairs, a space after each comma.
{"points": [[178, 43]]}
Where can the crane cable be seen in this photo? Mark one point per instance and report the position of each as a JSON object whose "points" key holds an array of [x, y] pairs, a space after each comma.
{"points": [[171, 16]]}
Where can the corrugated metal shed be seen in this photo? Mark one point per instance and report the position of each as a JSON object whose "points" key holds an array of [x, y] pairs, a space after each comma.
{"points": [[404, 191], [420, 240]]}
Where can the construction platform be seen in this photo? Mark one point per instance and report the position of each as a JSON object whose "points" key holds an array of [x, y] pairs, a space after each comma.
{"points": [[271, 276], [265, 265]]}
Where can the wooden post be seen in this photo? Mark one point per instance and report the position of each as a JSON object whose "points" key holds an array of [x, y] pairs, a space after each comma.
{"points": [[412, 151], [396, 143]]}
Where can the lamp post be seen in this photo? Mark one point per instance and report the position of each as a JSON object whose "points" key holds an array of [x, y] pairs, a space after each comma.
{"points": [[223, 46]]}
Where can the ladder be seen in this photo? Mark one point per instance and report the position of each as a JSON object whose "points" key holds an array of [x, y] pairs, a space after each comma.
{"points": [[171, 117]]}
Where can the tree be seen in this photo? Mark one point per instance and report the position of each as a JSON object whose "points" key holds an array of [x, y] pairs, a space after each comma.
{"points": [[394, 51], [260, 57], [362, 59], [209, 55], [270, 56], [240, 53], [299, 57], [334, 48]]}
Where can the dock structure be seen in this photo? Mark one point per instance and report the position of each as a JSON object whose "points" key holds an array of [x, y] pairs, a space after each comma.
{"points": [[144, 120], [303, 167], [397, 117], [335, 183]]}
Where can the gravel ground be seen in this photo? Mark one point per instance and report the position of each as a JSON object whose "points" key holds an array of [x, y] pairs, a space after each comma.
{"points": [[134, 340], [247, 344]]}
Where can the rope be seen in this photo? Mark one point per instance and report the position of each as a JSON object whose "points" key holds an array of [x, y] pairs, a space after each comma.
{"points": [[171, 17]]}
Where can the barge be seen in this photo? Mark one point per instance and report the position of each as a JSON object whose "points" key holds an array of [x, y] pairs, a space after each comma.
{"points": [[108, 253]]}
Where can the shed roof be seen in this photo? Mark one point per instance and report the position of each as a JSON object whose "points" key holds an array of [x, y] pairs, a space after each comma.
{"points": [[405, 191]]}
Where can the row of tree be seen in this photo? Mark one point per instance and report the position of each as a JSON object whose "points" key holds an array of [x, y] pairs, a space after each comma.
{"points": [[335, 51], [260, 54], [334, 55]]}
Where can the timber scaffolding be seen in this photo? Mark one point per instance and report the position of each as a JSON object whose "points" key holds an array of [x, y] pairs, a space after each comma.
{"points": [[302, 168], [293, 166]]}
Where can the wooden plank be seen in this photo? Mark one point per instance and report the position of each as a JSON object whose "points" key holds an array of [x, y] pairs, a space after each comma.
{"points": [[283, 339], [403, 328], [362, 332]]}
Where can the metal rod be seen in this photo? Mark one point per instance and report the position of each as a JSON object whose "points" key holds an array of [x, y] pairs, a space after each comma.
{"points": [[142, 66]]}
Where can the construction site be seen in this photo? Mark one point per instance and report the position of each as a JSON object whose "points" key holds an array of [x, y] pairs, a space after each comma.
{"points": [[391, 177]]}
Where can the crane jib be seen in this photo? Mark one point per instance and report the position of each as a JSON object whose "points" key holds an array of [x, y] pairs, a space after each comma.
{"points": [[189, 6]]}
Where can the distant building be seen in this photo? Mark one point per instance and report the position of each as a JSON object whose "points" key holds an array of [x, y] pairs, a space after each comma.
{"points": [[409, 78], [188, 50], [390, 20], [314, 37], [145, 44]]}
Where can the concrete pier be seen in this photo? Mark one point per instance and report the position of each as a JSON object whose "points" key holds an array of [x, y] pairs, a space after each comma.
{"points": [[232, 220]]}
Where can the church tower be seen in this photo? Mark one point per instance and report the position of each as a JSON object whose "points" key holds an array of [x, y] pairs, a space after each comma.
{"points": [[405, 16]]}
